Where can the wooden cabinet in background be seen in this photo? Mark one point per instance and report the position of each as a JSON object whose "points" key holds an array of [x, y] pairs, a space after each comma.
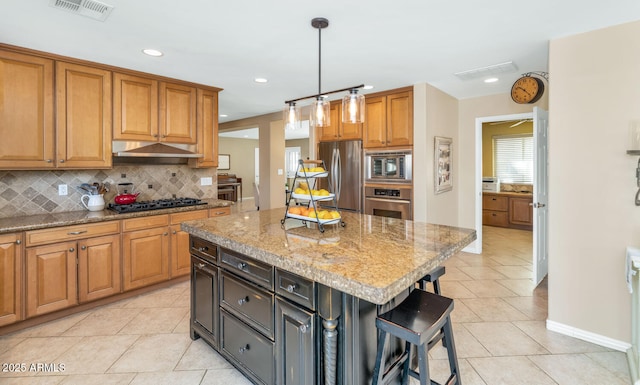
{"points": [[10, 278], [27, 119], [507, 210], [521, 212], [495, 210], [83, 116], [338, 130], [206, 129], [389, 120], [145, 251], [99, 267], [135, 108], [180, 255], [177, 113]]}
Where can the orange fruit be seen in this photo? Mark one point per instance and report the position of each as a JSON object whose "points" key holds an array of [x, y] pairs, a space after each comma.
{"points": [[294, 210]]}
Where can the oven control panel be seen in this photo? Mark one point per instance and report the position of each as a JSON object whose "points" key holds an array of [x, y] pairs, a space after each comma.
{"points": [[390, 193], [386, 192]]}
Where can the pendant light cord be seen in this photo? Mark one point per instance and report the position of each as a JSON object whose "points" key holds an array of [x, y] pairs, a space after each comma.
{"points": [[319, 61]]}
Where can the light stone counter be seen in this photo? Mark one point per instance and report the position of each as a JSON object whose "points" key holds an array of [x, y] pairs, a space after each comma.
{"points": [[372, 258]]}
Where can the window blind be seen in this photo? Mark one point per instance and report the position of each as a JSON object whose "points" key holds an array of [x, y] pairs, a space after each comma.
{"points": [[513, 158]]}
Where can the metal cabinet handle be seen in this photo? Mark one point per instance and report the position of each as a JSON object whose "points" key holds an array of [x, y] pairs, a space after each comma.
{"points": [[244, 349], [61, 161], [165, 234], [220, 213], [304, 328], [242, 301], [18, 242], [241, 265], [174, 232], [72, 249], [203, 249], [48, 161], [164, 136], [291, 288], [76, 232], [83, 247], [155, 135], [201, 265]]}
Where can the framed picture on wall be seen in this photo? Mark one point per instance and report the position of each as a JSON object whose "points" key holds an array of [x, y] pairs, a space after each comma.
{"points": [[442, 165], [224, 161]]}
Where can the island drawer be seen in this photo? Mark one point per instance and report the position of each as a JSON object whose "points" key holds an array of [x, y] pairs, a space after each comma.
{"points": [[248, 348], [255, 271], [203, 249], [248, 302], [296, 288]]}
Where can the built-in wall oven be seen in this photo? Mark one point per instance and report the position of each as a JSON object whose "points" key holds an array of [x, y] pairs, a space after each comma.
{"points": [[388, 201], [388, 166]]}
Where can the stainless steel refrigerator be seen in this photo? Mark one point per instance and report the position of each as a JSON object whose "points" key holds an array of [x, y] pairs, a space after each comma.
{"points": [[344, 163]]}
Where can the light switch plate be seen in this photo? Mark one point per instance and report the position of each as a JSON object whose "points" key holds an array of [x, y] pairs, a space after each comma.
{"points": [[206, 181], [280, 171]]}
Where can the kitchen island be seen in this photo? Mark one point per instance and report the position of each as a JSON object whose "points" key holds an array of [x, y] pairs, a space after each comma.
{"points": [[340, 280]]}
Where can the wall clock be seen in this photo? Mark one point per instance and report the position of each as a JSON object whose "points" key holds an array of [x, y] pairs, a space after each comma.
{"points": [[527, 90]]}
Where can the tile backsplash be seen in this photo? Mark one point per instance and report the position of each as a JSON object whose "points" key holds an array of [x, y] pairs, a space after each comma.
{"points": [[36, 192], [512, 187]]}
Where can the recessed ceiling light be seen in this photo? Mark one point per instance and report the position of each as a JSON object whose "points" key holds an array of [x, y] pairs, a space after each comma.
{"points": [[260, 80], [368, 87], [152, 52], [223, 115], [490, 80]]}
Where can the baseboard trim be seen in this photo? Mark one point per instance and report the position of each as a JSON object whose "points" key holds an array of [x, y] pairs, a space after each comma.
{"points": [[588, 336]]}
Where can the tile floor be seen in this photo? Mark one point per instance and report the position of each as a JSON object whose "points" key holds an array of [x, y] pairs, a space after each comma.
{"points": [[499, 329]]}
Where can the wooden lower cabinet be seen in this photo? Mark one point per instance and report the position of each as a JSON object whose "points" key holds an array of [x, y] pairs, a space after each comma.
{"points": [[10, 278], [145, 257], [506, 210], [51, 278], [521, 212], [99, 268], [180, 255]]}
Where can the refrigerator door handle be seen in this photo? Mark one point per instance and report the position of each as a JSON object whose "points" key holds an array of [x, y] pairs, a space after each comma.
{"points": [[338, 175], [333, 170]]}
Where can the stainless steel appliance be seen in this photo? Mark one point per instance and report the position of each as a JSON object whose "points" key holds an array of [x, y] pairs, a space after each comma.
{"points": [[155, 204], [393, 166], [344, 163], [388, 201]]}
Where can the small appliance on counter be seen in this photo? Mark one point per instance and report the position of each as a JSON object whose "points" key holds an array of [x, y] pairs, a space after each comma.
{"points": [[490, 184]]}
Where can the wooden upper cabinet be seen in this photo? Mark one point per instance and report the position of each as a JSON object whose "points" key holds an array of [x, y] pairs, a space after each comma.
{"points": [[135, 108], [389, 120], [338, 130], [177, 113], [206, 129], [83, 116], [26, 112]]}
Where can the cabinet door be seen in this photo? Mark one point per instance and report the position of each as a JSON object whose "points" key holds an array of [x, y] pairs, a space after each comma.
{"points": [[26, 112], [295, 348], [331, 133], [180, 256], [51, 278], [400, 119], [135, 108], [10, 279], [99, 267], [375, 122], [521, 211], [83, 113], [146, 257], [204, 301], [207, 129], [177, 113]]}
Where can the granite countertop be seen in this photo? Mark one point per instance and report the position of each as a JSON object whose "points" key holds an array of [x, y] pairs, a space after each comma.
{"points": [[373, 258], [43, 221], [516, 194]]}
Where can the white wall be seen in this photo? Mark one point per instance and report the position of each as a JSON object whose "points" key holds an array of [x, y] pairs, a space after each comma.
{"points": [[595, 94]]}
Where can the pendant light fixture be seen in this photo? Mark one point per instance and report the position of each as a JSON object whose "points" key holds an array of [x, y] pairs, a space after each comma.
{"points": [[352, 104]]}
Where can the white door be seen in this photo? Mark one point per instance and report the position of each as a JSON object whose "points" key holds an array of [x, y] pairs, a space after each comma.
{"points": [[540, 195]]}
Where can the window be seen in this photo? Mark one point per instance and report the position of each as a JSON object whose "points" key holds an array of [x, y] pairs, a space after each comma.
{"points": [[513, 158], [291, 157]]}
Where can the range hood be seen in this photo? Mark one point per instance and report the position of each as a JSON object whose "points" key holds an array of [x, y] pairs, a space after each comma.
{"points": [[131, 149]]}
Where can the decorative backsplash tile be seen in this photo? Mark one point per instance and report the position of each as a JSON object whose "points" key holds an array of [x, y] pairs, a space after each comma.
{"points": [[512, 187], [36, 192]]}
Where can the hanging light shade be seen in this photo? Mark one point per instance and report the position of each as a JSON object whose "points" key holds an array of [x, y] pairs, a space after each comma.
{"points": [[353, 107], [320, 113], [291, 117]]}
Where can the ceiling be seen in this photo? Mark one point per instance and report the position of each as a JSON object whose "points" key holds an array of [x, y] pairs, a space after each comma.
{"points": [[378, 42]]}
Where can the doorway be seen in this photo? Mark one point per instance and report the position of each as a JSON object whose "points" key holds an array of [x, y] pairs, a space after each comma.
{"points": [[539, 233]]}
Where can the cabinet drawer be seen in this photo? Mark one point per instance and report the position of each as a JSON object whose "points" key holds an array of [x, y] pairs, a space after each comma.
{"points": [[248, 348], [495, 218], [69, 233], [145, 222], [255, 271], [219, 211], [296, 288], [248, 302], [495, 203], [177, 218], [204, 249]]}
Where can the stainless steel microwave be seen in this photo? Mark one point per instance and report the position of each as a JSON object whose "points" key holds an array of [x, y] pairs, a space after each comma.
{"points": [[388, 166]]}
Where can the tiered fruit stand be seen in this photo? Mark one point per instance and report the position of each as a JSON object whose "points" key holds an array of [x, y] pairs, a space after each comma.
{"points": [[309, 175]]}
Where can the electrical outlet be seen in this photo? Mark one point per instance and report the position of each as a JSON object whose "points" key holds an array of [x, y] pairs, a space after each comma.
{"points": [[62, 189], [207, 181]]}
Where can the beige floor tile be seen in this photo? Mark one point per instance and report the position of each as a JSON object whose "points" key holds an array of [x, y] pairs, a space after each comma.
{"points": [[462, 313], [482, 272], [95, 354], [514, 272], [522, 287], [466, 345], [9, 341], [200, 355], [510, 371], [556, 343], [188, 377], [454, 274], [576, 369], [51, 380], [154, 320], [504, 339], [183, 300], [155, 299], [493, 309], [54, 328], [456, 290], [224, 377], [487, 288], [36, 350], [103, 321], [99, 379], [184, 325], [615, 362], [533, 307], [153, 353]]}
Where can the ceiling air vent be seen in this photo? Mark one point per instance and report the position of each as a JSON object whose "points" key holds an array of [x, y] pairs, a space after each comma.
{"points": [[89, 8], [495, 69]]}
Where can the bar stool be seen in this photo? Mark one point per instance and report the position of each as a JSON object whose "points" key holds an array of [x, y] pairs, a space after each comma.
{"points": [[422, 319], [433, 278]]}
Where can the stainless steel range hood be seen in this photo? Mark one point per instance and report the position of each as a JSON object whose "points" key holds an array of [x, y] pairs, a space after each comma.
{"points": [[130, 149]]}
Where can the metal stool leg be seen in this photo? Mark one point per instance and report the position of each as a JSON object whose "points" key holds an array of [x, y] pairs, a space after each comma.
{"points": [[378, 371], [423, 365], [451, 352]]}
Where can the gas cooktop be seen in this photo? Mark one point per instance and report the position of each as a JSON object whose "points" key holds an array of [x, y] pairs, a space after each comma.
{"points": [[156, 204]]}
